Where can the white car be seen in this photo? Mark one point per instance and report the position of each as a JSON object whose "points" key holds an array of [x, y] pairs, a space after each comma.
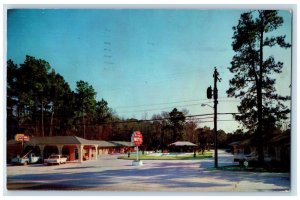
{"points": [[56, 159], [251, 156]]}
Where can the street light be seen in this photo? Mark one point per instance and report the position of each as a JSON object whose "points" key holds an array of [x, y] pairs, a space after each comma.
{"points": [[204, 104]]}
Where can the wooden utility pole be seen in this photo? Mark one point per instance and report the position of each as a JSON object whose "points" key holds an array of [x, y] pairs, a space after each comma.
{"points": [[209, 96], [216, 78]]}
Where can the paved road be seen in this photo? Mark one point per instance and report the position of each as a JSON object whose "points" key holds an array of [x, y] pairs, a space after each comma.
{"points": [[111, 174]]}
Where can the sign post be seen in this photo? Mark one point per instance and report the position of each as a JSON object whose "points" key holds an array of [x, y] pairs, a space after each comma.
{"points": [[137, 140], [137, 154], [22, 138]]}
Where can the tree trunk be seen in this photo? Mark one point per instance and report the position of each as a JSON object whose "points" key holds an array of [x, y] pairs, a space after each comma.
{"points": [[83, 123], [36, 130], [259, 132], [51, 121], [162, 141], [43, 118]]}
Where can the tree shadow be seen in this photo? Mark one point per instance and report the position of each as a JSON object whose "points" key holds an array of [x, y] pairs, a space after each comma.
{"points": [[167, 175]]}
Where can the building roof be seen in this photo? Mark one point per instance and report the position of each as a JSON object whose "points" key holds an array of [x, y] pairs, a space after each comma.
{"points": [[55, 140], [234, 143], [245, 142], [182, 143], [114, 144], [122, 143], [103, 143], [280, 139], [12, 142], [71, 140]]}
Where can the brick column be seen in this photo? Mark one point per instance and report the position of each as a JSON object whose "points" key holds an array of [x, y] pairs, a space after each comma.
{"points": [[96, 156], [60, 147], [71, 153], [42, 147], [90, 153], [80, 151]]}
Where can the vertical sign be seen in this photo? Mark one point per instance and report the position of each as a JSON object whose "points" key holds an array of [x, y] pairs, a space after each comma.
{"points": [[137, 140]]}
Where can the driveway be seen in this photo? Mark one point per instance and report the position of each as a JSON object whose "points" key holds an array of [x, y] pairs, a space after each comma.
{"points": [[112, 174]]}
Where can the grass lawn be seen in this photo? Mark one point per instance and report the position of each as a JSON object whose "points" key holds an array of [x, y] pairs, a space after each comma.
{"points": [[250, 169], [175, 157]]}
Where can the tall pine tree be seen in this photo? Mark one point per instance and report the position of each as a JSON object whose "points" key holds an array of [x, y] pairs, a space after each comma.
{"points": [[261, 107]]}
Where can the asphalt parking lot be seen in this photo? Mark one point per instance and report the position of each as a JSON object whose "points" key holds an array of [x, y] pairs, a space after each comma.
{"points": [[109, 174]]}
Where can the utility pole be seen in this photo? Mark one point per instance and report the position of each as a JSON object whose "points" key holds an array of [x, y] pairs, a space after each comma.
{"points": [[216, 78], [209, 96]]}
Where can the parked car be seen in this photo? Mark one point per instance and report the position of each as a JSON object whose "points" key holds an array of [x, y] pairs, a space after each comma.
{"points": [[28, 158], [55, 159], [237, 157], [241, 158], [251, 156]]}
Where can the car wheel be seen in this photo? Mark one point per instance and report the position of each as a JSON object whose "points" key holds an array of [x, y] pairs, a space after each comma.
{"points": [[241, 162]]}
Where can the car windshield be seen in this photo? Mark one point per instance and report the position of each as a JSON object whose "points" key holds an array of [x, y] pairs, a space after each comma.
{"points": [[54, 157]]}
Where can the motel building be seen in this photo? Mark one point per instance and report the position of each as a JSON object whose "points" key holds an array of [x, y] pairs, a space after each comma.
{"points": [[74, 148]]}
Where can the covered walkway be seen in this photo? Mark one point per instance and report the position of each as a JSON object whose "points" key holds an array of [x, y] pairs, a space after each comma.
{"points": [[76, 148]]}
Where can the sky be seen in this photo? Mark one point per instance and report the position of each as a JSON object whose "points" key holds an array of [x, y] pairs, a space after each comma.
{"points": [[142, 62]]}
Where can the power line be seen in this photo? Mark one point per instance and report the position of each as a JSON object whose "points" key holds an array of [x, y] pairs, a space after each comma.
{"points": [[164, 108], [161, 119], [160, 103], [166, 103], [222, 120]]}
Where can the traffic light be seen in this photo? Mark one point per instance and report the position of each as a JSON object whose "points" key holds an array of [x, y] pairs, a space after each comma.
{"points": [[209, 92]]}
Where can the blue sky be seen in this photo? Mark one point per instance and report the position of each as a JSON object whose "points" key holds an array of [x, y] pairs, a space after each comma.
{"points": [[141, 61]]}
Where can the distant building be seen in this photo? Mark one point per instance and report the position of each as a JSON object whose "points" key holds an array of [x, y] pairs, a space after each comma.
{"points": [[182, 146], [277, 148]]}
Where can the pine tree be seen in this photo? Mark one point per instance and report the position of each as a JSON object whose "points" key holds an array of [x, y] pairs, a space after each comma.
{"points": [[261, 107]]}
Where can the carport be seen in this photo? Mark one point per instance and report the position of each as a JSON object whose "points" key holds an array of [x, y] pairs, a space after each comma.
{"points": [[75, 148], [182, 146], [71, 144]]}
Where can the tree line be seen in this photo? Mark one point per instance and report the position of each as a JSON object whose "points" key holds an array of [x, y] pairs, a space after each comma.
{"points": [[41, 103]]}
